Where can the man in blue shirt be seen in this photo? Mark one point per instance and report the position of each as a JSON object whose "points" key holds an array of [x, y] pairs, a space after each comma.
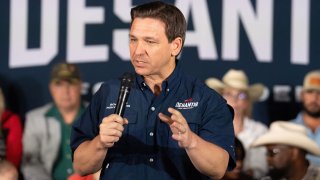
{"points": [[310, 114], [174, 126]]}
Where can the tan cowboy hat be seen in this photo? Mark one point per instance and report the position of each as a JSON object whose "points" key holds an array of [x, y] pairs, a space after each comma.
{"points": [[236, 79], [288, 133]]}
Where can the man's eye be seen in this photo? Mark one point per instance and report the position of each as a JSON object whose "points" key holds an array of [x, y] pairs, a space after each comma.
{"points": [[133, 40], [150, 42]]}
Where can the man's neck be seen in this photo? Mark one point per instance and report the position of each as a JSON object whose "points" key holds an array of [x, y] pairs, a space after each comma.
{"points": [[69, 115], [238, 124], [298, 170], [311, 122]]}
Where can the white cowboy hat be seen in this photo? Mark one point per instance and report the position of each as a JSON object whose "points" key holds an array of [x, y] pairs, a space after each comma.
{"points": [[236, 79], [288, 133]]}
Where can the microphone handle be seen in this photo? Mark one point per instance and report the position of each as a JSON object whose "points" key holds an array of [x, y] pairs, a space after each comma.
{"points": [[122, 100]]}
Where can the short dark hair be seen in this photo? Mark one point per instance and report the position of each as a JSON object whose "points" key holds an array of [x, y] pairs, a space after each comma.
{"points": [[171, 16]]}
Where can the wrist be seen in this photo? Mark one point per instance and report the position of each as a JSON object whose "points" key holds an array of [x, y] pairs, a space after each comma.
{"points": [[193, 142], [99, 144]]}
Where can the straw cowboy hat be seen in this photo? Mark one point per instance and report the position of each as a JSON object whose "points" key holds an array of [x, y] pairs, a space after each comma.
{"points": [[288, 133], [236, 79]]}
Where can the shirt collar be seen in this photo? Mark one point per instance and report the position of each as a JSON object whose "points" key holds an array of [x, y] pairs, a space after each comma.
{"points": [[168, 84], [54, 112]]}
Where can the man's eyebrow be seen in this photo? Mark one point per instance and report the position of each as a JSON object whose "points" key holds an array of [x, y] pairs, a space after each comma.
{"points": [[150, 38]]}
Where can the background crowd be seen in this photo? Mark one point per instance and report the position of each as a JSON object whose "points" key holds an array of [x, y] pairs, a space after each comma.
{"points": [[39, 146], [41, 150]]}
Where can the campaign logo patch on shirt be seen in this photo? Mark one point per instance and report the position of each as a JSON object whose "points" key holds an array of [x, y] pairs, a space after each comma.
{"points": [[113, 106], [187, 104]]}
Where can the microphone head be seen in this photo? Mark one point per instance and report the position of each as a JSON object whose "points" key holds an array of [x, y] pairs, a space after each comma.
{"points": [[127, 79]]}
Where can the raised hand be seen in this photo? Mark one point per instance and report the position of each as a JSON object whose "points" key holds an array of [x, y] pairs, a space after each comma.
{"points": [[179, 128]]}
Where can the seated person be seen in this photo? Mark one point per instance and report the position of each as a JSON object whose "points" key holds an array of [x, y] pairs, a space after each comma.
{"points": [[10, 134], [287, 145], [235, 88], [237, 173]]}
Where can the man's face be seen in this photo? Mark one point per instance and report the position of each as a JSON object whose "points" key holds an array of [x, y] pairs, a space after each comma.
{"points": [[66, 95], [150, 51], [237, 99], [311, 102], [279, 159], [235, 173]]}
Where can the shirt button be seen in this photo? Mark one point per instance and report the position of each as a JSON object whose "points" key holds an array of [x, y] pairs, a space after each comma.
{"points": [[151, 133], [151, 160], [153, 108], [168, 90], [144, 84], [69, 171]]}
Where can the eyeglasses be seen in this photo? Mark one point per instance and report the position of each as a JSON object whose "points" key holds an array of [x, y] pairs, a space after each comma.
{"points": [[273, 152], [236, 97]]}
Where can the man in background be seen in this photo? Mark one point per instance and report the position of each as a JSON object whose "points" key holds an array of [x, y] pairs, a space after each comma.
{"points": [[287, 144], [46, 153], [310, 113]]}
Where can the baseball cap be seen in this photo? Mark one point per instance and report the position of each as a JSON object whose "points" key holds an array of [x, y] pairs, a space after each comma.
{"points": [[65, 72], [312, 81]]}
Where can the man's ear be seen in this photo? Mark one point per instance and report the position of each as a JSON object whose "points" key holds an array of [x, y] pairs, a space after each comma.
{"points": [[296, 153], [176, 46]]}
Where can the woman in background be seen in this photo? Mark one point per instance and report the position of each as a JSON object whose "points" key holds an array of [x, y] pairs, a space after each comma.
{"points": [[235, 88], [10, 134]]}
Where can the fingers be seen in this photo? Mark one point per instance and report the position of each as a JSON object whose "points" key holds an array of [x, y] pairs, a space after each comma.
{"points": [[110, 129], [165, 118], [115, 118]]}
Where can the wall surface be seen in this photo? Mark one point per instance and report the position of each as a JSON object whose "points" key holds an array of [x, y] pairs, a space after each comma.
{"points": [[275, 42]]}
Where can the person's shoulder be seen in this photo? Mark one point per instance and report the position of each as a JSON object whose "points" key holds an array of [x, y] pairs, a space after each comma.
{"points": [[197, 83], [109, 84], [39, 110], [256, 124], [313, 172], [7, 114]]}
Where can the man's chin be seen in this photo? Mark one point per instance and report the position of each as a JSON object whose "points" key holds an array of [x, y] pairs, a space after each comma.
{"points": [[275, 173], [312, 113]]}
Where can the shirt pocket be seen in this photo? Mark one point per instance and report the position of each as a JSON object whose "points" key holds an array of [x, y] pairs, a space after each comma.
{"points": [[128, 135], [193, 119]]}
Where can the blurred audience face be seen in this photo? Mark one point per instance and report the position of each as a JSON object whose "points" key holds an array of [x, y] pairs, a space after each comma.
{"points": [[279, 159], [237, 99], [235, 173], [65, 94], [311, 102]]}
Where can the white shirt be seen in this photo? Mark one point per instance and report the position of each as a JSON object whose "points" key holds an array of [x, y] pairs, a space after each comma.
{"points": [[255, 157]]}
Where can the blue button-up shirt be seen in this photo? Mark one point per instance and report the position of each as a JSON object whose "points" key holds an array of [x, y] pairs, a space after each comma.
{"points": [[315, 160], [146, 149]]}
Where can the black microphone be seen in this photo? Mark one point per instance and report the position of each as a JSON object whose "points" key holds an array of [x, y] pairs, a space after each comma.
{"points": [[127, 80]]}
